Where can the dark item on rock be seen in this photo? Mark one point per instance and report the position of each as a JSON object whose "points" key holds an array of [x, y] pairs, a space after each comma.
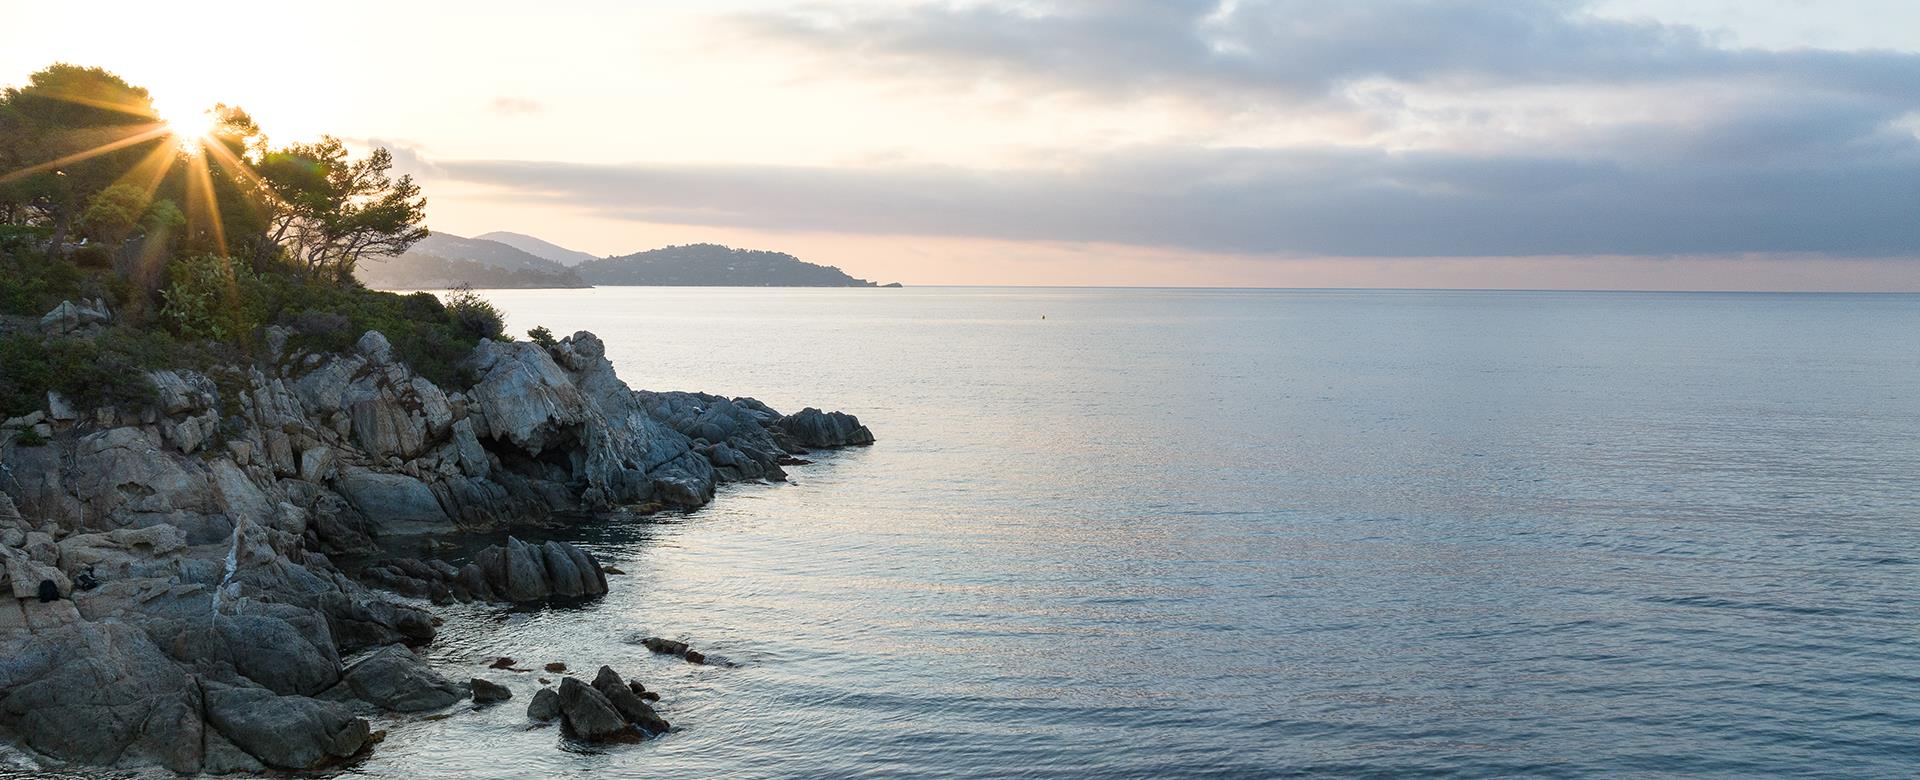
{"points": [[85, 580], [49, 591]]}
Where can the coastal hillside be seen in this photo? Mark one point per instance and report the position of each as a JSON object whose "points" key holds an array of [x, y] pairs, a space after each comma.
{"points": [[713, 265], [538, 247], [443, 260]]}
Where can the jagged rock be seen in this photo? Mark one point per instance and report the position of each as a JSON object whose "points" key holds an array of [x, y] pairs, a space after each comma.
{"points": [[545, 705], [69, 317], [589, 714], [812, 428], [487, 692], [627, 702], [289, 732], [393, 678], [194, 612], [26, 577], [316, 464], [524, 573]]}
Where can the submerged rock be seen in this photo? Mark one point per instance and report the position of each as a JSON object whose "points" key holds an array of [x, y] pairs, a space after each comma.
{"points": [[671, 647], [487, 691]]}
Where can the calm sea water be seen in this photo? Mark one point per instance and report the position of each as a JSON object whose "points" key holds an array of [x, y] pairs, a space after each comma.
{"points": [[1176, 533]]}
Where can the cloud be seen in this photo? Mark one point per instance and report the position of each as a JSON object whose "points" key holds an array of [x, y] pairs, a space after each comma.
{"points": [[1297, 48], [515, 106], [1517, 128], [1316, 202]]}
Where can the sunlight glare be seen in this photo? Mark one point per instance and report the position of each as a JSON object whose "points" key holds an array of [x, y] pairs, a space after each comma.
{"points": [[189, 129]]}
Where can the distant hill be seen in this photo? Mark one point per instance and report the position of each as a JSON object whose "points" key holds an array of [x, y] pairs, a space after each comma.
{"points": [[713, 265], [538, 248], [444, 260]]}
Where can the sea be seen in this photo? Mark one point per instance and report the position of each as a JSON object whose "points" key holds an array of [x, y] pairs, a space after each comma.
{"points": [[1155, 533]]}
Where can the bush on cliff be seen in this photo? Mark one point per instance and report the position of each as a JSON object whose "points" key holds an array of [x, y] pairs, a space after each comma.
{"points": [[103, 370]]}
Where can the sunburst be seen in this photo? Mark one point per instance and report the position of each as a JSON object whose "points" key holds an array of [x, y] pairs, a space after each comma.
{"points": [[192, 138]]}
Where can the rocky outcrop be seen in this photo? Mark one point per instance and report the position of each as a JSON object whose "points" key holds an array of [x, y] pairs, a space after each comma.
{"points": [[813, 428], [168, 591], [396, 680], [516, 573], [70, 317], [628, 702], [288, 732]]}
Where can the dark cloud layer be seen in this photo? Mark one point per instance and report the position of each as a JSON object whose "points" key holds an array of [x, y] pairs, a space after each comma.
{"points": [[1760, 151], [1336, 203]]}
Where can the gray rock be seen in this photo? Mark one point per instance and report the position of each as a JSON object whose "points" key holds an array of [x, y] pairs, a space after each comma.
{"points": [[589, 714], [289, 732], [487, 692], [284, 648], [393, 678], [627, 702], [100, 694], [396, 504], [545, 705], [814, 428]]}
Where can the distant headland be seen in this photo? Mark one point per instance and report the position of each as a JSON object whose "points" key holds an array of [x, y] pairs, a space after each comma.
{"points": [[512, 260]]}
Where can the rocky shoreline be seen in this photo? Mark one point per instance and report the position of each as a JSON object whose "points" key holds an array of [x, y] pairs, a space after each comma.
{"points": [[175, 599]]}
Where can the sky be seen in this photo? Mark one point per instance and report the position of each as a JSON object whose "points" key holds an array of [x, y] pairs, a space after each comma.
{"points": [[1541, 144]]}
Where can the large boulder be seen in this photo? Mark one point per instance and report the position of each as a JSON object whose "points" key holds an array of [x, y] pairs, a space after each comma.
{"points": [[591, 717], [100, 694], [289, 732], [396, 504], [625, 700], [393, 678], [280, 647]]}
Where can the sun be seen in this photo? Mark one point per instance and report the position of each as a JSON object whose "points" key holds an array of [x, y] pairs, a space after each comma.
{"points": [[190, 130]]}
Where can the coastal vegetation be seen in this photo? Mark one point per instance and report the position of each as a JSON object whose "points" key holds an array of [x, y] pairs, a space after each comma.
{"points": [[188, 244]]}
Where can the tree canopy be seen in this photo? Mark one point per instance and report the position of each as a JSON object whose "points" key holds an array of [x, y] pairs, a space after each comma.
{"points": [[84, 156]]}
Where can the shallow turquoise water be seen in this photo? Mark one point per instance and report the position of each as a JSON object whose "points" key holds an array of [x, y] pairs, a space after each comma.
{"points": [[1258, 533]]}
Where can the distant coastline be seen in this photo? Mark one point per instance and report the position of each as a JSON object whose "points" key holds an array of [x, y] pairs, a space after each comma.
{"points": [[502, 260]]}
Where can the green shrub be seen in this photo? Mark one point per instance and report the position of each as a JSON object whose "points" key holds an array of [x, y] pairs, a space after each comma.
{"points": [[474, 315], [542, 336], [210, 298], [104, 370], [32, 284]]}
